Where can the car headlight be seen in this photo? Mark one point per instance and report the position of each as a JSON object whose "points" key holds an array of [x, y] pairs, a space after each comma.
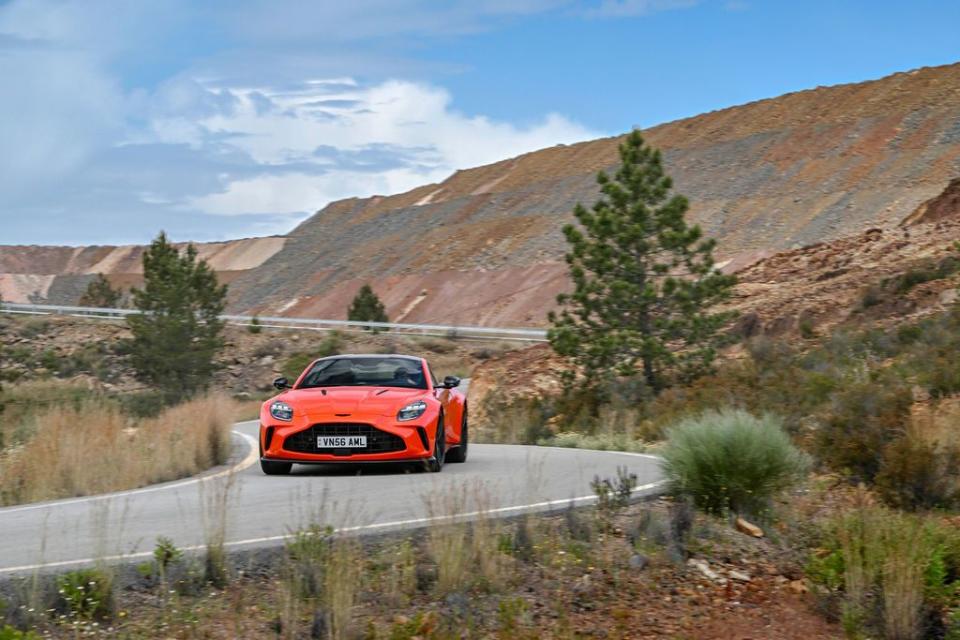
{"points": [[281, 411], [412, 411]]}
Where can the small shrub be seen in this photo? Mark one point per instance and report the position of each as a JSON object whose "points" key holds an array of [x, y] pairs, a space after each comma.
{"points": [[915, 474], [165, 554], [862, 419], [144, 404], [437, 346], [269, 348], [807, 330], [731, 460], [10, 633], [254, 327], [32, 328], [891, 571], [613, 496], [86, 594], [872, 296], [307, 556]]}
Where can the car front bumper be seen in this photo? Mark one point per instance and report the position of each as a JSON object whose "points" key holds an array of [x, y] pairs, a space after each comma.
{"points": [[276, 438]]}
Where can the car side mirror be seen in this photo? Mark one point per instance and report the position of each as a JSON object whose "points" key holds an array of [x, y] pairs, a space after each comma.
{"points": [[450, 382], [282, 383]]}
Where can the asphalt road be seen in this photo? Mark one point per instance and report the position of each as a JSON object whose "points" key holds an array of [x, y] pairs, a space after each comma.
{"points": [[261, 510]]}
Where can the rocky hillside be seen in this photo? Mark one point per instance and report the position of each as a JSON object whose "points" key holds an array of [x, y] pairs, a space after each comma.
{"points": [[484, 246], [60, 274]]}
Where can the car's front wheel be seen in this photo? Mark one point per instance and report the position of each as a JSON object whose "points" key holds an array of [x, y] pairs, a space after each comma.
{"points": [[273, 468], [435, 462]]}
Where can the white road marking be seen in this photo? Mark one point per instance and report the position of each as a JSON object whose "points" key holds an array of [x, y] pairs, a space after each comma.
{"points": [[360, 529]]}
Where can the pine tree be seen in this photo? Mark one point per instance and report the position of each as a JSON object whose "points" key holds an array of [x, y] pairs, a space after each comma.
{"points": [[366, 307], [177, 335], [100, 294], [643, 278]]}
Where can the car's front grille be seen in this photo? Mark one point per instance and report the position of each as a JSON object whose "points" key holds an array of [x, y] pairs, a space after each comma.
{"points": [[377, 441]]}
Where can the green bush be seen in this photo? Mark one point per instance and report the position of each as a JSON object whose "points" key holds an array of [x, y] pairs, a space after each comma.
{"points": [[862, 419], [10, 633], [915, 474], [890, 574], [731, 461], [86, 594]]}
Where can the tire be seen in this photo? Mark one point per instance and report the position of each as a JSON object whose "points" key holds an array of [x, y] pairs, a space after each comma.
{"points": [[272, 468], [435, 462], [459, 453]]}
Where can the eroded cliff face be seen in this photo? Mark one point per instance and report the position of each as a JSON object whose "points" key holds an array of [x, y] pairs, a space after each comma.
{"points": [[60, 274], [485, 246]]}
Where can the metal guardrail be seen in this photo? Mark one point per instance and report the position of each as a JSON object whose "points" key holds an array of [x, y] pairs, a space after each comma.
{"points": [[311, 324]]}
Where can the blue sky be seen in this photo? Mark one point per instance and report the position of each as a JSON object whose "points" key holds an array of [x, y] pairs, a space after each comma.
{"points": [[226, 119]]}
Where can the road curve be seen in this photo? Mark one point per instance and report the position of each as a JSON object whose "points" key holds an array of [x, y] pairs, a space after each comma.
{"points": [[262, 510]]}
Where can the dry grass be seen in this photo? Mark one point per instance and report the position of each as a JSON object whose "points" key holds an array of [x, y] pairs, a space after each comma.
{"points": [[902, 573], [466, 554], [344, 570], [399, 580], [91, 447]]}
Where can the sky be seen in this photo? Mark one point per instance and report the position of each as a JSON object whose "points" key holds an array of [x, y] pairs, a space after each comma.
{"points": [[236, 118]]}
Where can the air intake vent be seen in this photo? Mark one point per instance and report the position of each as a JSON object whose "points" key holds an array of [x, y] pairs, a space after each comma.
{"points": [[377, 441]]}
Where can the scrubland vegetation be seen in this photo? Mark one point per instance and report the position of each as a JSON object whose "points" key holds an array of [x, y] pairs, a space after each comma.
{"points": [[65, 441], [876, 409]]}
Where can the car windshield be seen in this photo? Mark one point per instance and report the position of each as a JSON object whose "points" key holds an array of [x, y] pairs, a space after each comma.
{"points": [[365, 372]]}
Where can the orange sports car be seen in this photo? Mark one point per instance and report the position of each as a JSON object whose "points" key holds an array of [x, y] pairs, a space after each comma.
{"points": [[364, 408]]}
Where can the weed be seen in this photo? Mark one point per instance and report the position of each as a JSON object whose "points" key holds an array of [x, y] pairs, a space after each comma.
{"points": [[510, 612], [400, 580], [577, 528], [165, 554], [342, 584], [34, 327], [10, 633], [215, 521], [613, 495], [86, 594]]}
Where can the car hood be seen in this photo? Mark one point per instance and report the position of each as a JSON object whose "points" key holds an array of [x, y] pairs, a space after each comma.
{"points": [[355, 401]]}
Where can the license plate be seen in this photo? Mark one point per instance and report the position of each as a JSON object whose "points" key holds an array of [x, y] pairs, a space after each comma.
{"points": [[341, 442]]}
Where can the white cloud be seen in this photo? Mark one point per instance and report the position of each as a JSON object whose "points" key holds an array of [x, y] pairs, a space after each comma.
{"points": [[630, 8], [406, 133], [126, 117]]}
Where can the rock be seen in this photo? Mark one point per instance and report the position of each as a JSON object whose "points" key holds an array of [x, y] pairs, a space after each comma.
{"points": [[798, 586], [265, 360], [704, 568], [749, 528], [639, 562], [459, 603], [739, 576]]}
